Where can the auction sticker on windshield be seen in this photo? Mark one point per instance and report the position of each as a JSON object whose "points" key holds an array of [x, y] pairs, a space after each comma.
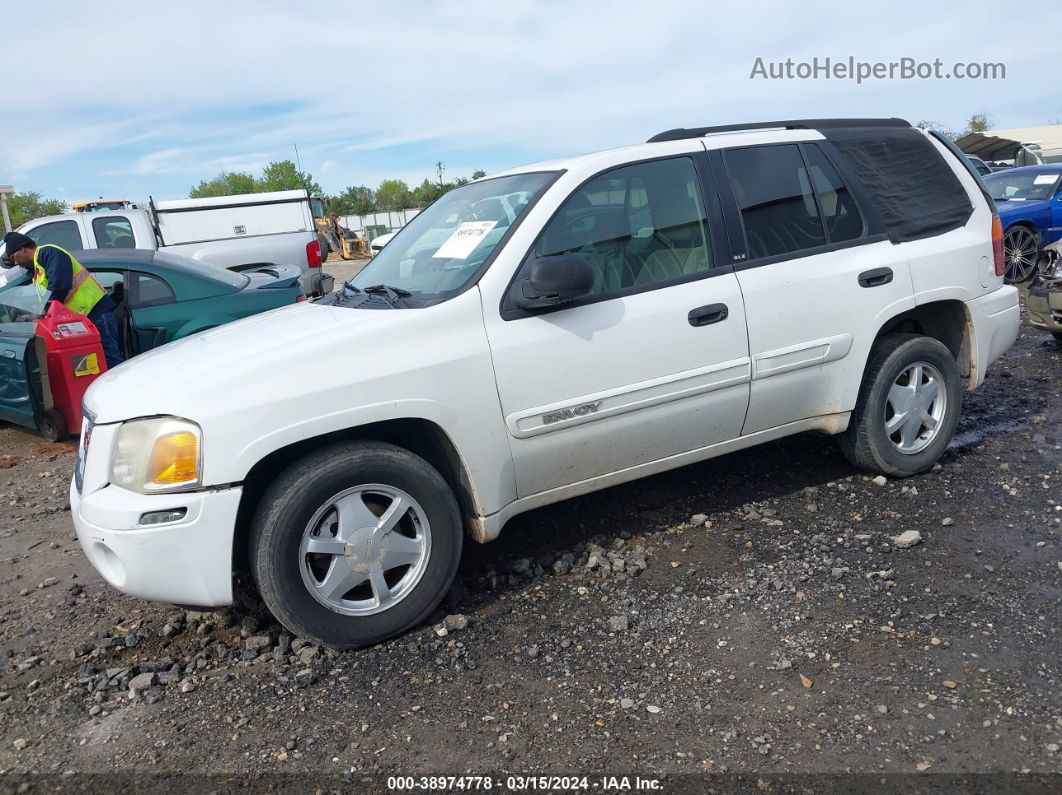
{"points": [[464, 240]]}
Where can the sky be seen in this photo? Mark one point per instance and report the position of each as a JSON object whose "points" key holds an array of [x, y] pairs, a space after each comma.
{"points": [[128, 100]]}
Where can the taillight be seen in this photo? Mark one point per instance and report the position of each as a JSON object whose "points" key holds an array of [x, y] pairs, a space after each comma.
{"points": [[313, 254], [997, 245], [300, 297]]}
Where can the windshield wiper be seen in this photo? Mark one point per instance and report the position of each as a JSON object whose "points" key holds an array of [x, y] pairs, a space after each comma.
{"points": [[393, 295], [349, 285]]}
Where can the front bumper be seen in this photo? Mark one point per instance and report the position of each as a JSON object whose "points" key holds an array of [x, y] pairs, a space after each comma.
{"points": [[186, 562], [996, 320], [1045, 308]]}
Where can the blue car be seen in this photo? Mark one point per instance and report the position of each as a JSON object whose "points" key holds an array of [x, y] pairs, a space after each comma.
{"points": [[1030, 206]]}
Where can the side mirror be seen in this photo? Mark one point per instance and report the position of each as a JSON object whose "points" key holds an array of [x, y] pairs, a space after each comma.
{"points": [[552, 281]]}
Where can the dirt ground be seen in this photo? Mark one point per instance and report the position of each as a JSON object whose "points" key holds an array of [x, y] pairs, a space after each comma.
{"points": [[745, 623]]}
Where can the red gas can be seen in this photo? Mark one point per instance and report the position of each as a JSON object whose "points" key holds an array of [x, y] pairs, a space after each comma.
{"points": [[74, 359]]}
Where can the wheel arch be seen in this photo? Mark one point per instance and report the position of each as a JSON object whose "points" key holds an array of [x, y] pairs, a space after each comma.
{"points": [[947, 321], [419, 436]]}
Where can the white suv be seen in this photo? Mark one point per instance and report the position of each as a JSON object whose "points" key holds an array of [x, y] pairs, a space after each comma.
{"points": [[549, 331]]}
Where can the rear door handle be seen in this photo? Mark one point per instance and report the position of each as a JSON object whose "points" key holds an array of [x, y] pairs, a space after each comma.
{"points": [[875, 277], [706, 315]]}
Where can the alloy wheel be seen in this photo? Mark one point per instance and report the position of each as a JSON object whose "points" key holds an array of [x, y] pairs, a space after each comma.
{"points": [[915, 407]]}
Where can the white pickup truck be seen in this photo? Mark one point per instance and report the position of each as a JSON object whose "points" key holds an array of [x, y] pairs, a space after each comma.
{"points": [[233, 232], [556, 329]]}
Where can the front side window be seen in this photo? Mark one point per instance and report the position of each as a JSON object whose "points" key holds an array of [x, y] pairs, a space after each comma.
{"points": [[1022, 186], [442, 248], [64, 234], [637, 226], [113, 232], [775, 198]]}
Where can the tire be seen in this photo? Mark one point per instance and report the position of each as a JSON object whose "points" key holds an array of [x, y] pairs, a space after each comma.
{"points": [[306, 591], [1058, 336], [913, 446], [325, 248], [1020, 248], [51, 426]]}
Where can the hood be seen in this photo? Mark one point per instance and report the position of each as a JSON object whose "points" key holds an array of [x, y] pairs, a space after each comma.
{"points": [[1008, 207], [247, 362]]}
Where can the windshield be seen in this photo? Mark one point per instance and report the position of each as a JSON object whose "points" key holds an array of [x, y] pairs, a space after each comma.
{"points": [[20, 300], [436, 254], [1025, 186]]}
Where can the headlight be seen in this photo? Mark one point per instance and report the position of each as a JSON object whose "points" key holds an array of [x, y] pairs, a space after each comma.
{"points": [[157, 455]]}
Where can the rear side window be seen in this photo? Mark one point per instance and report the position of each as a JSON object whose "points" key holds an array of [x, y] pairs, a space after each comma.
{"points": [[113, 232], [774, 195], [839, 211], [64, 234], [637, 227], [151, 290]]}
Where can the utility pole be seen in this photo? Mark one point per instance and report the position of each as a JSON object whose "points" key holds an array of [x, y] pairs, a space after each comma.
{"points": [[5, 191], [298, 163]]}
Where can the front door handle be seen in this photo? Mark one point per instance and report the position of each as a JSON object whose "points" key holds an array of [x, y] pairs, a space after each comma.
{"points": [[875, 277], [706, 315]]}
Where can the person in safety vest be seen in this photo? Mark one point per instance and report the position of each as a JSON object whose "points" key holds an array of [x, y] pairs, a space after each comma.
{"points": [[53, 268]]}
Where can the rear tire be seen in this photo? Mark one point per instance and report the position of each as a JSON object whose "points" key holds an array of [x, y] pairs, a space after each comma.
{"points": [[908, 406], [51, 426], [323, 560]]}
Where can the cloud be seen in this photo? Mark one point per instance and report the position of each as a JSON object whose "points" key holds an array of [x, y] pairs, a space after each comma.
{"points": [[477, 82]]}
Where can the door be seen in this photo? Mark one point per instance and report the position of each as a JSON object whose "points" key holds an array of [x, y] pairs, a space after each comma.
{"points": [[653, 362], [152, 319], [817, 278]]}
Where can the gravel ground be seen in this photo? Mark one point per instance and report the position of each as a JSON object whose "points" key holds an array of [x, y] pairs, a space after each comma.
{"points": [[765, 616]]}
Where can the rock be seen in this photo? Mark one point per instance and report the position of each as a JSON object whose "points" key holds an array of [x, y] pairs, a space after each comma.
{"points": [[618, 624], [455, 622], [698, 519], [652, 709], [780, 665], [142, 681], [627, 703], [906, 539], [187, 686], [947, 521], [48, 583], [880, 480], [258, 643], [521, 566], [20, 744]]}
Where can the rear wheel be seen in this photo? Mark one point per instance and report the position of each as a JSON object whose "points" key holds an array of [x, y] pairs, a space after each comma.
{"points": [[908, 406], [1019, 254], [355, 544], [52, 426]]}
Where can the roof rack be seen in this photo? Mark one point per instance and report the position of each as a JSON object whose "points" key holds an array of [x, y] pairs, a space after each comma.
{"points": [[792, 124]]}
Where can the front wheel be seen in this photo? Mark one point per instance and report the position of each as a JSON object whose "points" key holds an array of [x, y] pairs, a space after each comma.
{"points": [[355, 544], [908, 406]]}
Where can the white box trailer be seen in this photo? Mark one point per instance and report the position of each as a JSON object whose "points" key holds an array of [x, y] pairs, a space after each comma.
{"points": [[182, 221]]}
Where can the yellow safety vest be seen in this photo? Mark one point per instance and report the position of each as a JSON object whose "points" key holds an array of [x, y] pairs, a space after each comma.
{"points": [[85, 291]]}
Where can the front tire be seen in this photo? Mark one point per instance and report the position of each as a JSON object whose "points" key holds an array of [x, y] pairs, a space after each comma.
{"points": [[355, 544], [908, 406]]}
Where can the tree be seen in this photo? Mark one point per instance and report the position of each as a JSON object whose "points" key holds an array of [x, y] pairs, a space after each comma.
{"points": [[478, 174], [283, 175], [355, 200], [393, 194], [978, 122], [227, 183], [26, 206], [947, 132], [427, 192]]}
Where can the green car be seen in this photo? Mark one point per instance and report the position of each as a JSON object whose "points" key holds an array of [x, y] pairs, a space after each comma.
{"points": [[162, 297]]}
